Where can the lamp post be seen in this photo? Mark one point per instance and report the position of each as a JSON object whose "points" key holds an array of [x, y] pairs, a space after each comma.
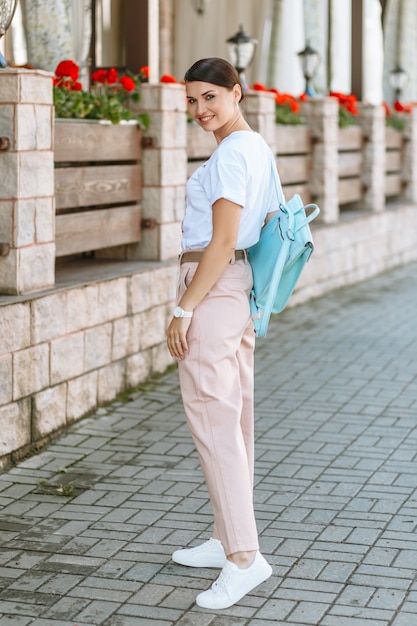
{"points": [[398, 78], [309, 59], [241, 52], [7, 9]]}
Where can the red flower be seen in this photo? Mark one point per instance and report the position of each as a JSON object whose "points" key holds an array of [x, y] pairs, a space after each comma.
{"points": [[76, 86], [259, 87], [99, 76], [167, 78], [144, 72], [67, 69], [127, 83], [386, 109], [112, 76], [303, 97], [402, 108]]}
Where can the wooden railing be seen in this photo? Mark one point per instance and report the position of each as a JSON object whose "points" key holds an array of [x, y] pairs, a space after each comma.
{"points": [[98, 186], [293, 146], [350, 164], [394, 142]]}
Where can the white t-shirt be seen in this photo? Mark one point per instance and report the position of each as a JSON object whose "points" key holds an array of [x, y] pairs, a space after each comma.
{"points": [[239, 170]]}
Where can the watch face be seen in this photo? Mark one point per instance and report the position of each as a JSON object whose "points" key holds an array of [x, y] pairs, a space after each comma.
{"points": [[178, 311]]}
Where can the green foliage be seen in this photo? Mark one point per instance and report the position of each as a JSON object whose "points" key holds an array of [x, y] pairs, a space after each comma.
{"points": [[285, 115], [345, 118]]}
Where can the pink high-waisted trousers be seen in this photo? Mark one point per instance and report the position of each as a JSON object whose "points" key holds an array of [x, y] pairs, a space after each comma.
{"points": [[216, 379]]}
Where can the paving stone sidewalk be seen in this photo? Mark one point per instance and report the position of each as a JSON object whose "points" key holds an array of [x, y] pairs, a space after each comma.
{"points": [[87, 526]]}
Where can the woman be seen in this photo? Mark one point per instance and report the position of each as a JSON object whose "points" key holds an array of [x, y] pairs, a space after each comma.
{"points": [[211, 333]]}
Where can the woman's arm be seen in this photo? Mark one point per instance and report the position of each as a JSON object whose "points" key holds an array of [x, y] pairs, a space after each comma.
{"points": [[226, 219]]}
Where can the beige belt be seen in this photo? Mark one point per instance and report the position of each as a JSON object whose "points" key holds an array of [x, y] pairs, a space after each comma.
{"points": [[195, 256]]}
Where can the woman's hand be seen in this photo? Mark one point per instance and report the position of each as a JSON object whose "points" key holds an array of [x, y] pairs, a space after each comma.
{"points": [[177, 337]]}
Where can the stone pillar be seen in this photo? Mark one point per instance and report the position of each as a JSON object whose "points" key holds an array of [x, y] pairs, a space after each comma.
{"points": [[27, 209], [372, 121], [409, 169], [259, 111], [322, 116], [164, 172]]}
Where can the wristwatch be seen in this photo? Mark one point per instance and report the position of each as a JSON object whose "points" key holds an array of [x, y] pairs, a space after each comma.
{"points": [[179, 312]]}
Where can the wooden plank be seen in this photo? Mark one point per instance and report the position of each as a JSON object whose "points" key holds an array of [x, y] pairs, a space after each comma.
{"points": [[294, 169], [350, 138], [393, 161], [79, 140], [292, 139], [349, 190], [200, 144], [93, 230], [350, 164], [102, 184], [393, 185], [393, 138]]}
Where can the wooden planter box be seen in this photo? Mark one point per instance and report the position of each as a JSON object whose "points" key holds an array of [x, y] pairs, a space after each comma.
{"points": [[294, 151], [98, 184]]}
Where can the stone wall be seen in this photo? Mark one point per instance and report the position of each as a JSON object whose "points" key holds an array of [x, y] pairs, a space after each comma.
{"points": [[65, 352]]}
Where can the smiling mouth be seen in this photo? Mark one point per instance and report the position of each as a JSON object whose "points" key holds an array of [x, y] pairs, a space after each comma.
{"points": [[205, 119]]}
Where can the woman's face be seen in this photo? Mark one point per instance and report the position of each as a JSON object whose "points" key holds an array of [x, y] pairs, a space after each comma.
{"points": [[211, 106]]}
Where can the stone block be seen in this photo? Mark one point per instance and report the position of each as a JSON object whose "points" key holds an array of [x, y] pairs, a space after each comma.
{"points": [[97, 346], [112, 299], [67, 357], [122, 344], [82, 396], [8, 273], [160, 358], [44, 220], [48, 317], [9, 86], [162, 97], [111, 381], [36, 174], [259, 102], [36, 87], [30, 371], [82, 308], [6, 393], [173, 167], [138, 368], [37, 267], [165, 204], [168, 130], [6, 221], [15, 327], [165, 167], [33, 127], [164, 284], [7, 122], [153, 324], [140, 292], [24, 223], [15, 426], [135, 333], [170, 240], [49, 411], [9, 175]]}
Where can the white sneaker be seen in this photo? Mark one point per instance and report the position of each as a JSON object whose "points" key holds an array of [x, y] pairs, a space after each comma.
{"points": [[208, 554], [234, 583]]}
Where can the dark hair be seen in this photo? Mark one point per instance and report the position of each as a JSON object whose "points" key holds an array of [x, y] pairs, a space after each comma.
{"points": [[216, 71]]}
